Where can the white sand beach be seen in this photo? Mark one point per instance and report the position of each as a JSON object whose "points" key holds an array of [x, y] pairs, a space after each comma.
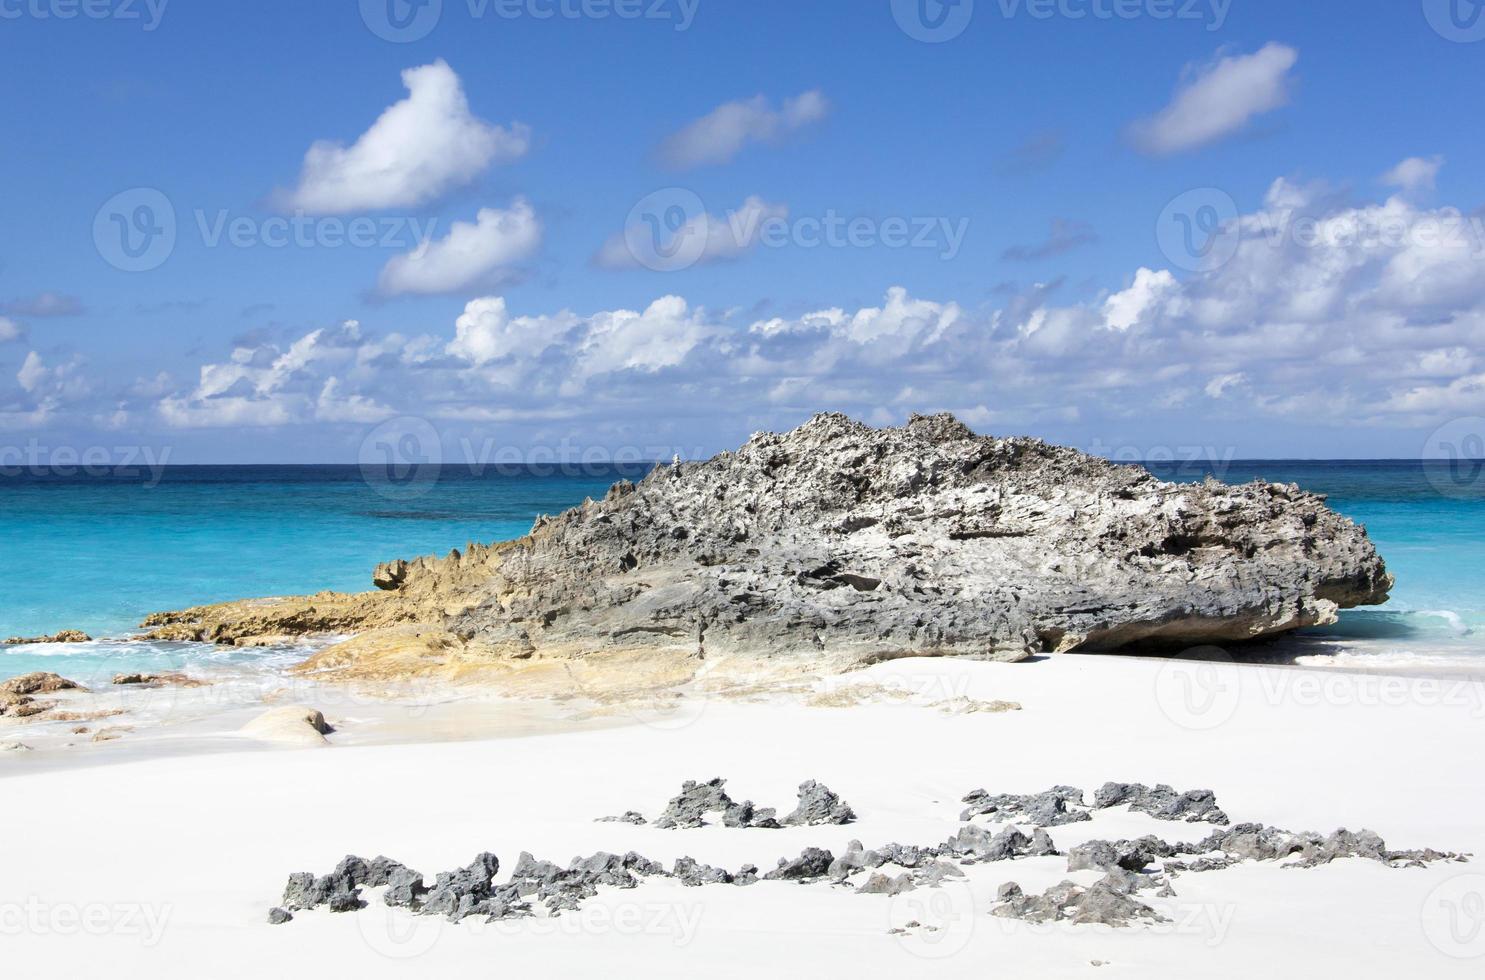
{"points": [[163, 858]]}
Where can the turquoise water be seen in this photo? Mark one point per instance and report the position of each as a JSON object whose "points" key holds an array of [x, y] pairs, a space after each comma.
{"points": [[99, 553]]}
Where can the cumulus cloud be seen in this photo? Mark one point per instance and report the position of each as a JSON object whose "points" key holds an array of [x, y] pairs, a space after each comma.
{"points": [[1331, 311], [720, 135], [1218, 99], [1414, 174], [44, 304], [268, 386], [486, 332], [703, 238], [418, 150], [9, 330], [1129, 307], [471, 256], [1065, 236]]}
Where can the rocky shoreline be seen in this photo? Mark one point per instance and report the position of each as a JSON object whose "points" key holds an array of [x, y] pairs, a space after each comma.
{"points": [[837, 545]]}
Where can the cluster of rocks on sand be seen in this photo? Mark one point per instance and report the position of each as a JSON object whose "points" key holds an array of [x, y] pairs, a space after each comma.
{"points": [[1129, 867], [836, 545], [818, 805]]}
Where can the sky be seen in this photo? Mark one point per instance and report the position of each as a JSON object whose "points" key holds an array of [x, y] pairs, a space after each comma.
{"points": [[278, 231]]}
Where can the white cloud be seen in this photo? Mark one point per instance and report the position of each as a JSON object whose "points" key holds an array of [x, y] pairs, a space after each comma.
{"points": [[1414, 174], [471, 256], [723, 133], [1326, 315], [32, 373], [9, 330], [1219, 386], [660, 337], [1218, 100], [1123, 310], [716, 239], [418, 150], [487, 332]]}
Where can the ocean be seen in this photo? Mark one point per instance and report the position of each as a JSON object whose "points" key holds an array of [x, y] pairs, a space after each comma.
{"points": [[98, 552]]}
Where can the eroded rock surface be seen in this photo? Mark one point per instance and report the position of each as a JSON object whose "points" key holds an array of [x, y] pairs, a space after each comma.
{"points": [[839, 544]]}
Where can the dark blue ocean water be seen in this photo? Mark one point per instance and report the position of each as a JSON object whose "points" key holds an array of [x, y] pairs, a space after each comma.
{"points": [[98, 552]]}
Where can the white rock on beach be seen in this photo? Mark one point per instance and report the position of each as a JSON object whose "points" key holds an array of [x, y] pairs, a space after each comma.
{"points": [[291, 725]]}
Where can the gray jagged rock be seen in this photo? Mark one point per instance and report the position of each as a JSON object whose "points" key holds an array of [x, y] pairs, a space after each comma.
{"points": [[1255, 842], [693, 874], [745, 814], [277, 916], [695, 801], [838, 544], [464, 892], [812, 863], [1053, 808], [1162, 802], [817, 806], [1129, 855], [1109, 901], [628, 816]]}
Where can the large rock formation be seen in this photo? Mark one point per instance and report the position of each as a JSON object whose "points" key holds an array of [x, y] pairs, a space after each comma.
{"points": [[840, 544]]}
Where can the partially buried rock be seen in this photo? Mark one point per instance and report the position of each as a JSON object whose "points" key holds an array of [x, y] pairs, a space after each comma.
{"points": [[1162, 802], [628, 816], [1107, 902], [293, 725], [812, 863], [695, 800], [818, 805], [14, 747], [1052, 808], [277, 916]]}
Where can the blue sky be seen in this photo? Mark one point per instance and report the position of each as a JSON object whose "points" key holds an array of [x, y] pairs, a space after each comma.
{"points": [[1044, 162]]}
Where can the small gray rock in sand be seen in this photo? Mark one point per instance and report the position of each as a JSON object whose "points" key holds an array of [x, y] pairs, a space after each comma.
{"points": [[818, 805]]}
